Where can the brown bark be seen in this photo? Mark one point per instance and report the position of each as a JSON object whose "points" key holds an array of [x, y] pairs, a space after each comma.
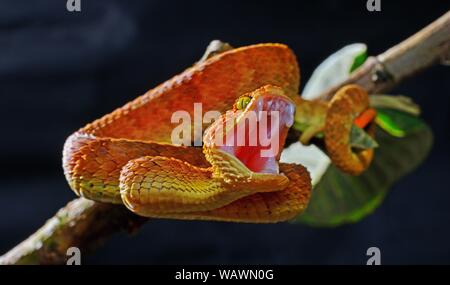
{"points": [[81, 223]]}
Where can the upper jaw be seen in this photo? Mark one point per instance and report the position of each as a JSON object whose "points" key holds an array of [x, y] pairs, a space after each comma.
{"points": [[276, 101]]}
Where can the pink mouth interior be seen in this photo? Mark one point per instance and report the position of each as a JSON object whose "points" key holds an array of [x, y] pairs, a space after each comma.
{"points": [[251, 155]]}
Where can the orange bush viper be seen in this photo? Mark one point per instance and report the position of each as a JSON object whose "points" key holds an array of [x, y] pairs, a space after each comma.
{"points": [[127, 156]]}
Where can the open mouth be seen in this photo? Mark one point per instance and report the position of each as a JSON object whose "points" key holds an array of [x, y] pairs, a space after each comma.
{"points": [[255, 131]]}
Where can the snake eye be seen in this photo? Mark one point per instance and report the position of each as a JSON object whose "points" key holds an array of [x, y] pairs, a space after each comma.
{"points": [[242, 102]]}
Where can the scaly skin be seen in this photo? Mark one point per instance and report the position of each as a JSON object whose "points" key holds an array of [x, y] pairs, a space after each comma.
{"points": [[127, 156], [335, 119], [172, 188], [310, 116], [345, 106]]}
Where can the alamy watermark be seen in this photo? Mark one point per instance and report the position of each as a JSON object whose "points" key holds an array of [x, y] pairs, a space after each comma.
{"points": [[74, 256], [375, 256], [373, 5], [251, 128], [73, 5]]}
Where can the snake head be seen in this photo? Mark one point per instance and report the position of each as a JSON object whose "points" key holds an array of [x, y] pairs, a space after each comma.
{"points": [[244, 145]]}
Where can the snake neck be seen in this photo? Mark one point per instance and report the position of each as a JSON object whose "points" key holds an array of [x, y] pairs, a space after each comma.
{"points": [[310, 113], [309, 118]]}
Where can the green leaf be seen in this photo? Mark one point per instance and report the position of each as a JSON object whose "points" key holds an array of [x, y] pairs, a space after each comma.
{"points": [[341, 198], [396, 102], [397, 123], [333, 70], [358, 61], [360, 139]]}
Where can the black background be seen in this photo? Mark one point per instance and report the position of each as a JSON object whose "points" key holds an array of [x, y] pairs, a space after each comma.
{"points": [[60, 70]]}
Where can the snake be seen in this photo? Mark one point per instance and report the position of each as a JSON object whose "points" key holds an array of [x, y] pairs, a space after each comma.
{"points": [[333, 121], [128, 156]]}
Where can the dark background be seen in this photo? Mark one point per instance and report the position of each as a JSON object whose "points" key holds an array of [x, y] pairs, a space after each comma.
{"points": [[60, 70]]}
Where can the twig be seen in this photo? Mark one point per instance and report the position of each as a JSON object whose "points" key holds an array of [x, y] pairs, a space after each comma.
{"points": [[380, 73], [81, 223], [85, 224]]}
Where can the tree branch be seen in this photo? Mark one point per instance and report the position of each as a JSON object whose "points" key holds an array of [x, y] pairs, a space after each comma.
{"points": [[85, 224], [380, 73], [81, 223]]}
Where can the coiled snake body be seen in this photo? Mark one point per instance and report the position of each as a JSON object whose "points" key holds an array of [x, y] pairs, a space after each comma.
{"points": [[127, 156]]}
